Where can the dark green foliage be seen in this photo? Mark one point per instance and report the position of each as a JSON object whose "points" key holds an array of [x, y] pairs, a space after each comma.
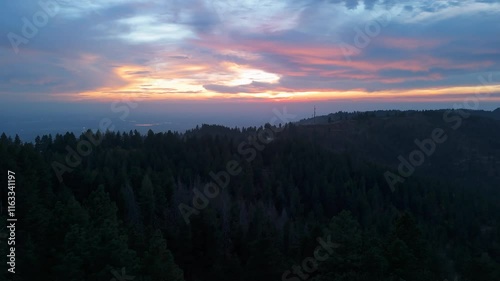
{"points": [[119, 208], [158, 262]]}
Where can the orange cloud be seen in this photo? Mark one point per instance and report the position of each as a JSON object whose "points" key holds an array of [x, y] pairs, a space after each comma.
{"points": [[198, 76], [313, 59]]}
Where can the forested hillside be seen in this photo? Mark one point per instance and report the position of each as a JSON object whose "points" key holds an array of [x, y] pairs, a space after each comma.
{"points": [[254, 204]]}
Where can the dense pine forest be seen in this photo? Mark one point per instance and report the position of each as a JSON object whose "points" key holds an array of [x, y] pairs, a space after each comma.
{"points": [[217, 203]]}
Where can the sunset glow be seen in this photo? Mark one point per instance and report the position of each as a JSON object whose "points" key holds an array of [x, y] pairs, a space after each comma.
{"points": [[282, 51]]}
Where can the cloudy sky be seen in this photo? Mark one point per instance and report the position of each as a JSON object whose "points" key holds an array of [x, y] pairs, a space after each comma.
{"points": [[249, 51]]}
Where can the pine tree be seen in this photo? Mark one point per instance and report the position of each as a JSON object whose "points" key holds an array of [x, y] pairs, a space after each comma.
{"points": [[158, 262]]}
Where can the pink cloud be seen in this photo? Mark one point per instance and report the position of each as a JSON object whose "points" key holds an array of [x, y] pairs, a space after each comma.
{"points": [[410, 43]]}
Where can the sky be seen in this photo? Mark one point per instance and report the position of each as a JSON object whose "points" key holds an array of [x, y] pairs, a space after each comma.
{"points": [[244, 58]]}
